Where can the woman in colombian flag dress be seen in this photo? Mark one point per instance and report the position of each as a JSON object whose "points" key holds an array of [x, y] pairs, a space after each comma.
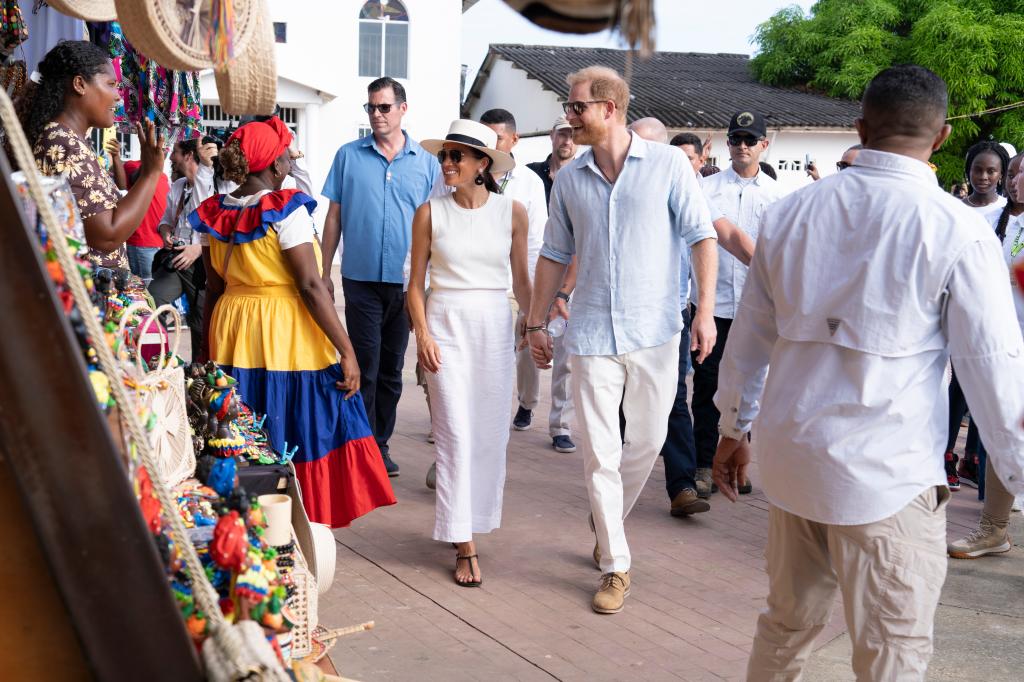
{"points": [[274, 328]]}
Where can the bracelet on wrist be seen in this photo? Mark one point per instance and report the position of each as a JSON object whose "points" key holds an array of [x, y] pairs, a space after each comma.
{"points": [[562, 295], [536, 328]]}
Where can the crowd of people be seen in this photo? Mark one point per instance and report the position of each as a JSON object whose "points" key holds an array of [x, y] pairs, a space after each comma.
{"points": [[620, 267]]}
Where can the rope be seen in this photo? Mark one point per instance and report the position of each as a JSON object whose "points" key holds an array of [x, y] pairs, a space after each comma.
{"points": [[993, 110], [202, 590]]}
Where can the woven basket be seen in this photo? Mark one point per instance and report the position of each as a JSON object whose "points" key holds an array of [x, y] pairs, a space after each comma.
{"points": [[175, 33], [302, 606], [249, 85], [90, 10], [162, 391]]}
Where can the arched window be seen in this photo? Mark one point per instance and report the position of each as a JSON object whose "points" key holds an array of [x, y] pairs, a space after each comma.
{"points": [[384, 39]]}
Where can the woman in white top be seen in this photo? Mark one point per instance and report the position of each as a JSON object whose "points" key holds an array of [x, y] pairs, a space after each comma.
{"points": [[464, 333], [991, 536]]}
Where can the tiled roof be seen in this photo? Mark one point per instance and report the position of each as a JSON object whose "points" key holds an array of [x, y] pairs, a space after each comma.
{"points": [[682, 89]]}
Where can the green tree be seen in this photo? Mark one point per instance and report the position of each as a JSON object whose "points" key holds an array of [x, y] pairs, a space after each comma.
{"points": [[977, 46]]}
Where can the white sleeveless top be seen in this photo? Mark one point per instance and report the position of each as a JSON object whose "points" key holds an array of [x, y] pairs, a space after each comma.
{"points": [[470, 248]]}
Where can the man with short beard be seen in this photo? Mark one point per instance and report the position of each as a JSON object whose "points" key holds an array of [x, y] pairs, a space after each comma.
{"points": [[563, 150], [625, 208]]}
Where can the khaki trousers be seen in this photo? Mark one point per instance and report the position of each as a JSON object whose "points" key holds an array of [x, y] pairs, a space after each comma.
{"points": [[890, 574]]}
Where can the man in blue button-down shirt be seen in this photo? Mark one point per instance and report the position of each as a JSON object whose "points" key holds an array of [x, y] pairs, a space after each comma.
{"points": [[375, 185], [625, 208]]}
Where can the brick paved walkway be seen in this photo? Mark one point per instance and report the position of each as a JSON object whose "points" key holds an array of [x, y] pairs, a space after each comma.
{"points": [[698, 583]]}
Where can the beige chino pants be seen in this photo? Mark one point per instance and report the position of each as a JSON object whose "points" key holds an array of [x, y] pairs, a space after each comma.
{"points": [[890, 574]]}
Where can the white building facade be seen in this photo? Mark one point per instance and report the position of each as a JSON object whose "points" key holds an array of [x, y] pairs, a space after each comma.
{"points": [[328, 51]]}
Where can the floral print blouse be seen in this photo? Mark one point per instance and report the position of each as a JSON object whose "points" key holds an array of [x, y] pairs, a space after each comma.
{"points": [[60, 151]]}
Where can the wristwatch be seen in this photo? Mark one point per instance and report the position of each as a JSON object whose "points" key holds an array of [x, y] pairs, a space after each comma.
{"points": [[562, 295]]}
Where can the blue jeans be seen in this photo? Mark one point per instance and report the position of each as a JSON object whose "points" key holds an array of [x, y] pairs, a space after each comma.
{"points": [[379, 331], [679, 451], [140, 260]]}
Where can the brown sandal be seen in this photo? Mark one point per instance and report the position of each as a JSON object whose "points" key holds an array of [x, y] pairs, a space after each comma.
{"points": [[469, 558]]}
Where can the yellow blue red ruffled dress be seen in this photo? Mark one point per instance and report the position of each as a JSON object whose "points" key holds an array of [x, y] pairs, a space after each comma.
{"points": [[262, 334]]}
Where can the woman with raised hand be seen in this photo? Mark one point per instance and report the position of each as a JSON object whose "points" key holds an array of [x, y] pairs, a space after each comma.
{"points": [[76, 91]]}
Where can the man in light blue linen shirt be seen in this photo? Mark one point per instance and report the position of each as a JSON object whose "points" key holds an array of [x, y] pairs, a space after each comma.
{"points": [[625, 208], [375, 185]]}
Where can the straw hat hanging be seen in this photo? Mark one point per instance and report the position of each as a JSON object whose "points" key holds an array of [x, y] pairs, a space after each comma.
{"points": [[176, 33], [90, 10], [249, 85]]}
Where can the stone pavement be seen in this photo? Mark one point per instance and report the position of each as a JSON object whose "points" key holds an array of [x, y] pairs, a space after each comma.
{"points": [[698, 584]]}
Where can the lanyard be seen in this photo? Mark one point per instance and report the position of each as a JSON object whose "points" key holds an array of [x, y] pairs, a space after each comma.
{"points": [[1017, 245], [504, 181]]}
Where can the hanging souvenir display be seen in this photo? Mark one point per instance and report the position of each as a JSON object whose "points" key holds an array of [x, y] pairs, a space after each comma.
{"points": [[13, 31], [150, 91]]}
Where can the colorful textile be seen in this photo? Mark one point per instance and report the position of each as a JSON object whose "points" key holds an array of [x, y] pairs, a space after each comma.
{"points": [[262, 334], [262, 142], [220, 220], [149, 91]]}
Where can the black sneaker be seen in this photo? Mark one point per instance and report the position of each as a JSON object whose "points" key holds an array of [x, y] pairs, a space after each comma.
{"points": [[952, 480], [563, 444], [522, 420], [391, 467]]}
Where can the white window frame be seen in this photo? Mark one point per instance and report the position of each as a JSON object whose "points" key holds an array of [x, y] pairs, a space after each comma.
{"points": [[385, 22]]}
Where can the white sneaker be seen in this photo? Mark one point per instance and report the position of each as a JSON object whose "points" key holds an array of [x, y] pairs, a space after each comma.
{"points": [[1018, 504]]}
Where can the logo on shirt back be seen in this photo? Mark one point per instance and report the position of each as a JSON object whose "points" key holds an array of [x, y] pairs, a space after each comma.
{"points": [[833, 325]]}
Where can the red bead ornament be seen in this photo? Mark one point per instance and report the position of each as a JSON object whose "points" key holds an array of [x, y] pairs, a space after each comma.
{"points": [[230, 542]]}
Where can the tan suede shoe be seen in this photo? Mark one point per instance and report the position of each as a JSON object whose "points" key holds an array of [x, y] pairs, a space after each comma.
{"points": [[612, 594]]}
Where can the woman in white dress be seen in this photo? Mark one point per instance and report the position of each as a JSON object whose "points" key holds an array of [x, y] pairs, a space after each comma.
{"points": [[464, 337]]}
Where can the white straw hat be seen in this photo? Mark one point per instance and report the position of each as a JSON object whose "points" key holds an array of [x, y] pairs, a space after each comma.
{"points": [[249, 85], [164, 30], [479, 137], [90, 10]]}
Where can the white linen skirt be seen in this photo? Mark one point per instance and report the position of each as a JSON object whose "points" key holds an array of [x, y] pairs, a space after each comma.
{"points": [[471, 403]]}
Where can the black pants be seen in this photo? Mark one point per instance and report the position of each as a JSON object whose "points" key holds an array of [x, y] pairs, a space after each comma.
{"points": [[705, 383], [379, 330], [169, 284], [679, 451], [957, 410]]}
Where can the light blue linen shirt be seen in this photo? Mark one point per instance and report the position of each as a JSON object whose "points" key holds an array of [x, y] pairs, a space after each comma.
{"points": [[378, 200], [627, 238]]}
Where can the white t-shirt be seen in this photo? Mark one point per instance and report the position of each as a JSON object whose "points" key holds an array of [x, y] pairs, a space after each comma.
{"points": [[991, 212]]}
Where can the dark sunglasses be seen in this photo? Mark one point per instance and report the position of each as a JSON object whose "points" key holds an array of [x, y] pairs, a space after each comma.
{"points": [[456, 155], [579, 107], [382, 108], [737, 140], [842, 165]]}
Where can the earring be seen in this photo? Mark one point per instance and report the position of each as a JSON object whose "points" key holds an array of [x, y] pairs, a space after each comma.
{"points": [[479, 179]]}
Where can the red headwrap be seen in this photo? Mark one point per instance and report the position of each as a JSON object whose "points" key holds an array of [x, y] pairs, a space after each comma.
{"points": [[262, 142]]}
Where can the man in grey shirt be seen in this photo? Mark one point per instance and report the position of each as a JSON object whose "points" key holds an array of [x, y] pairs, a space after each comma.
{"points": [[625, 209]]}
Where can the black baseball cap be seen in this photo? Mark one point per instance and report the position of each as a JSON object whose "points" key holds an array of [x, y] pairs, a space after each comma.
{"points": [[748, 122]]}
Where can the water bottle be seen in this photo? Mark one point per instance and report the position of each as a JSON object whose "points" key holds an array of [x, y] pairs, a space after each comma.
{"points": [[556, 327]]}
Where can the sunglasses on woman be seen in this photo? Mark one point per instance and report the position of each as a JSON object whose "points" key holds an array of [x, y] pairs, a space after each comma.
{"points": [[456, 155], [382, 108], [579, 107]]}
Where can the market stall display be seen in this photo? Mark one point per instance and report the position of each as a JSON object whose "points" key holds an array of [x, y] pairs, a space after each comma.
{"points": [[248, 604]]}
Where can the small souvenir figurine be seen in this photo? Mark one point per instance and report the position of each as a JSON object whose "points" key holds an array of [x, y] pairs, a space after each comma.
{"points": [[230, 542]]}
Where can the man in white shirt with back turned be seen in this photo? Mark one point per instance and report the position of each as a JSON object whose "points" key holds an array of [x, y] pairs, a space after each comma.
{"points": [[862, 286]]}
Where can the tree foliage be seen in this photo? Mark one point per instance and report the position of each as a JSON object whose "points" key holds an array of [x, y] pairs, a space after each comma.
{"points": [[977, 46]]}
